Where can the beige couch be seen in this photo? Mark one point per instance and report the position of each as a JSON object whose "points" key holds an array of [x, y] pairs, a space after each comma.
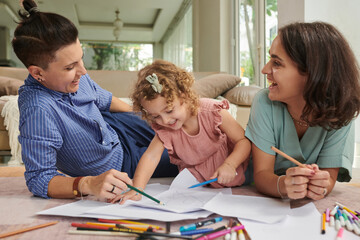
{"points": [[208, 84]]}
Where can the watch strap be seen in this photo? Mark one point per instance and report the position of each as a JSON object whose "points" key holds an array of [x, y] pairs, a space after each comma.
{"points": [[76, 190]]}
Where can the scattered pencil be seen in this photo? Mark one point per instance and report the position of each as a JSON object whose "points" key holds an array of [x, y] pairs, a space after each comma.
{"points": [[145, 194], [124, 222], [323, 223], [27, 229], [203, 183]]}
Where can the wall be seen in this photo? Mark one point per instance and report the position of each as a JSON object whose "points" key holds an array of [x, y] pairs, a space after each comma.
{"points": [[212, 35], [342, 14]]}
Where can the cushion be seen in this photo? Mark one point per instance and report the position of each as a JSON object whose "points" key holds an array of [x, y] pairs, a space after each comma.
{"points": [[215, 84], [9, 86], [242, 95]]}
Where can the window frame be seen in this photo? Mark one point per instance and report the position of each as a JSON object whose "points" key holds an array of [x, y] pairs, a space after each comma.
{"points": [[260, 38]]}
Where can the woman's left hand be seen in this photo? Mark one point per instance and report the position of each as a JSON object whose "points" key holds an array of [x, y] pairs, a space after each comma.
{"points": [[318, 183]]}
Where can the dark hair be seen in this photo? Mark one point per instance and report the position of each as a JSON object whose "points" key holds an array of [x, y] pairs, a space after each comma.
{"points": [[332, 90], [40, 34], [176, 83]]}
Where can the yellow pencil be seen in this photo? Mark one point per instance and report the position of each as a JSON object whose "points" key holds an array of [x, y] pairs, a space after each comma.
{"points": [[27, 229], [103, 233], [288, 157], [131, 226], [121, 221]]}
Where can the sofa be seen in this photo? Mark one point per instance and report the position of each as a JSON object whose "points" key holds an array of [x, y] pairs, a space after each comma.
{"points": [[120, 83]]}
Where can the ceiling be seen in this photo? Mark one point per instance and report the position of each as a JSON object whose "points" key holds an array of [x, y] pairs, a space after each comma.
{"points": [[144, 20]]}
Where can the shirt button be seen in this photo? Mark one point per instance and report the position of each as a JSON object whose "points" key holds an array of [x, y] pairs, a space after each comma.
{"points": [[100, 128], [103, 142]]}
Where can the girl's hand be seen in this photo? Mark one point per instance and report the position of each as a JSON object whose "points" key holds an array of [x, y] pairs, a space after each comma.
{"points": [[296, 181], [130, 195], [318, 184], [225, 173], [106, 185]]}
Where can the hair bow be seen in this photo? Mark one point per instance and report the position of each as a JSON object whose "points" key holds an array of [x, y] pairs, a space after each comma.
{"points": [[153, 79]]}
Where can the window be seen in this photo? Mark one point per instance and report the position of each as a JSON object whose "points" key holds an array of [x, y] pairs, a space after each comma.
{"points": [[117, 56], [254, 29], [178, 46]]}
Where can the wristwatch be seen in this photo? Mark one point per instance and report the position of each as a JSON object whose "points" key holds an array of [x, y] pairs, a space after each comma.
{"points": [[76, 191]]}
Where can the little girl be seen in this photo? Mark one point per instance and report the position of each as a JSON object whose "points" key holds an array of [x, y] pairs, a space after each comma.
{"points": [[199, 134]]}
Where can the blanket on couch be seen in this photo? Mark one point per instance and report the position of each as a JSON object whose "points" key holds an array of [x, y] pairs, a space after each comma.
{"points": [[10, 113]]}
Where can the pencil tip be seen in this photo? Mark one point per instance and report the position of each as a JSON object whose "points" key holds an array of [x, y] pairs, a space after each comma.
{"points": [[161, 203]]}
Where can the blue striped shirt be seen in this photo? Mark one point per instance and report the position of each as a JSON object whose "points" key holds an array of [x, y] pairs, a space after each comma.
{"points": [[65, 132]]}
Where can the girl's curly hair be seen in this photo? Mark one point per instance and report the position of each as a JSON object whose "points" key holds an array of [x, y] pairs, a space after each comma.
{"points": [[176, 83]]}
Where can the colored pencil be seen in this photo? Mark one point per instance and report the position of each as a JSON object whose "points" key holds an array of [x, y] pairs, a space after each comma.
{"points": [[288, 157], [102, 233], [27, 229], [323, 223], [145, 194], [81, 226], [133, 226], [203, 183], [124, 222]]}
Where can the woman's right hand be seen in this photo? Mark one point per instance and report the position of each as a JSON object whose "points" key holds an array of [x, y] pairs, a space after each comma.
{"points": [[107, 185], [296, 181]]}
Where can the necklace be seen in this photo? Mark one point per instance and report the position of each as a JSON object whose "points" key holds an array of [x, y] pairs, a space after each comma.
{"points": [[300, 123]]}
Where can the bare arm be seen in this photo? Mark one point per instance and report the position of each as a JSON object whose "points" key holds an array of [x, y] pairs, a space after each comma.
{"points": [[297, 183], [145, 168], [293, 184], [227, 171], [119, 106]]}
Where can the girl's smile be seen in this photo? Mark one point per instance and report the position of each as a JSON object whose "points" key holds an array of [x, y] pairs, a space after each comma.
{"points": [[174, 116]]}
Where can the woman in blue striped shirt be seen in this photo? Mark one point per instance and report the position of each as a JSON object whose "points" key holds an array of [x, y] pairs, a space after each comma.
{"points": [[69, 126]]}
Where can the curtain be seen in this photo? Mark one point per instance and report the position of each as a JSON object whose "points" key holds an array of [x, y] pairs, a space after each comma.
{"points": [[178, 47]]}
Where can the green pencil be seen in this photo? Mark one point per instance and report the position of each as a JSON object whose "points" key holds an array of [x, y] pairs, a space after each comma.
{"points": [[145, 194]]}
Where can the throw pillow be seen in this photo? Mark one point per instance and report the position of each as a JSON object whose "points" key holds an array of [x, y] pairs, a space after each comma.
{"points": [[242, 95], [215, 85], [9, 86]]}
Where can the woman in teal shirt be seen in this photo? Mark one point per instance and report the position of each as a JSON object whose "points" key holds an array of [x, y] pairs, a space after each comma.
{"points": [[307, 112]]}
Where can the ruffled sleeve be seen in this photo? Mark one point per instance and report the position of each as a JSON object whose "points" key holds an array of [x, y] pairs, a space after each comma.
{"points": [[164, 137], [212, 108]]}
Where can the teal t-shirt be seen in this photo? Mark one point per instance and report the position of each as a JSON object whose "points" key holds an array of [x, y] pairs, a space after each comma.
{"points": [[270, 124]]}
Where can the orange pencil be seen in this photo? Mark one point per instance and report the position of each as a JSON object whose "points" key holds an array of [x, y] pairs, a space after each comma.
{"points": [[121, 221], [288, 157], [323, 223], [112, 225], [27, 229]]}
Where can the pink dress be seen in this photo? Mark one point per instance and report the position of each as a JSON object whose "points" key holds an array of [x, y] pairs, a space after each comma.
{"points": [[204, 152]]}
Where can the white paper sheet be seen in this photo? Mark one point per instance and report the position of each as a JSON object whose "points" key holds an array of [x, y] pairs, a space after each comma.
{"points": [[75, 209], [96, 209], [185, 179], [301, 223], [135, 212], [178, 200], [268, 210]]}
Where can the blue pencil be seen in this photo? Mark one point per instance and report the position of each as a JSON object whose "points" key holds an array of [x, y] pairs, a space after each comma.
{"points": [[204, 183]]}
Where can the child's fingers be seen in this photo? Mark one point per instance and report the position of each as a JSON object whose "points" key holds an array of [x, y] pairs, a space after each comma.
{"points": [[215, 175], [126, 196]]}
